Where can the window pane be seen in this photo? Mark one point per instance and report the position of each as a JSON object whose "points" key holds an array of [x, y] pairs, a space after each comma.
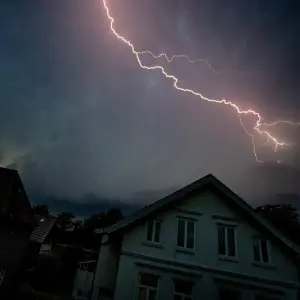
{"points": [[149, 231], [149, 280], [221, 240], [181, 233], [190, 234], [227, 294], [256, 250], [183, 287], [152, 295], [142, 294], [157, 232], [264, 251], [231, 241]]}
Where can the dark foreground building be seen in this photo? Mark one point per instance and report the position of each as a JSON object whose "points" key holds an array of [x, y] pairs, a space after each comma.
{"points": [[16, 224]]}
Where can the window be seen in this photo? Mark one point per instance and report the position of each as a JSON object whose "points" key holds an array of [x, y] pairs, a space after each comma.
{"points": [[186, 234], [227, 241], [2, 274], [262, 251], [183, 289], [148, 286], [154, 231], [229, 294]]}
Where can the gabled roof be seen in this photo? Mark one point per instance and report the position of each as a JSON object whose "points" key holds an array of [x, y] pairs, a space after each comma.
{"points": [[206, 182], [45, 224]]}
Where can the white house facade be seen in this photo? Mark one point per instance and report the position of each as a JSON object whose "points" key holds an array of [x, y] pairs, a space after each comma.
{"points": [[202, 242]]}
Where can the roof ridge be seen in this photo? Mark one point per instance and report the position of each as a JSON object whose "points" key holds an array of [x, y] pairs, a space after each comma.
{"points": [[192, 187]]}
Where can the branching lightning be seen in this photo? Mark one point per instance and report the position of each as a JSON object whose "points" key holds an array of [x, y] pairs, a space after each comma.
{"points": [[170, 59], [259, 125]]}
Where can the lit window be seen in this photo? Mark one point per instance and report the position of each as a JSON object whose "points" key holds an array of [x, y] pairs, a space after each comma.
{"points": [[183, 290], [226, 241], [186, 234], [262, 251], [148, 286], [154, 231]]}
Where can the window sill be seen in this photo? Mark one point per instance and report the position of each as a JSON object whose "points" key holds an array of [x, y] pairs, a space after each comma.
{"points": [[153, 244], [228, 258], [185, 250], [264, 266]]}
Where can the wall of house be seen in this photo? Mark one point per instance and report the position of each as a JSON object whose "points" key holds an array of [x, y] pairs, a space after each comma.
{"points": [[202, 208], [83, 284], [12, 250], [205, 282], [107, 269], [46, 246]]}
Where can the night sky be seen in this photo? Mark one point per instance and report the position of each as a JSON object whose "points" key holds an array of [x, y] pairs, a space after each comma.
{"points": [[78, 116]]}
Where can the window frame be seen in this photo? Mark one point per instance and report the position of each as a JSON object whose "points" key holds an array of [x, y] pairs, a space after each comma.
{"points": [[181, 295], [2, 275], [186, 220], [264, 296], [226, 227], [269, 251], [148, 288], [238, 292], [154, 223]]}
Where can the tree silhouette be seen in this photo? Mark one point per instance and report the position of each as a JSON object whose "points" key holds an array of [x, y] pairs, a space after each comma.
{"points": [[65, 220], [284, 217], [41, 210], [104, 219]]}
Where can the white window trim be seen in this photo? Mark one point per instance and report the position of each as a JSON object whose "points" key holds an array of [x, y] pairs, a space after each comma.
{"points": [[148, 288], [2, 275], [184, 296], [186, 220], [153, 232], [269, 247], [226, 242]]}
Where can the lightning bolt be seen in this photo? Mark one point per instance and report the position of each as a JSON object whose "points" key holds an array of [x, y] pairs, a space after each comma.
{"points": [[173, 57], [258, 125]]}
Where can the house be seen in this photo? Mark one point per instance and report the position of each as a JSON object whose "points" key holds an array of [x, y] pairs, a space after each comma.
{"points": [[16, 223], [201, 242], [42, 236]]}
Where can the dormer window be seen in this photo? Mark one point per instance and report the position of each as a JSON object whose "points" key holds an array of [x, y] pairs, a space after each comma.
{"points": [[262, 251], [154, 231]]}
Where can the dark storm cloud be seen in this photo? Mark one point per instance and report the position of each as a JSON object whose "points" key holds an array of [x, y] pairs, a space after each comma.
{"points": [[78, 116]]}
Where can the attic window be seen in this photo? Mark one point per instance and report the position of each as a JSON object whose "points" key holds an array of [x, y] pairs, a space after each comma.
{"points": [[186, 233], [227, 241], [154, 231], [262, 251]]}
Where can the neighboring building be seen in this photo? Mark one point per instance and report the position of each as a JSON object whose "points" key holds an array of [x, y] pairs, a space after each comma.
{"points": [[201, 242], [84, 278], [41, 238], [16, 223]]}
